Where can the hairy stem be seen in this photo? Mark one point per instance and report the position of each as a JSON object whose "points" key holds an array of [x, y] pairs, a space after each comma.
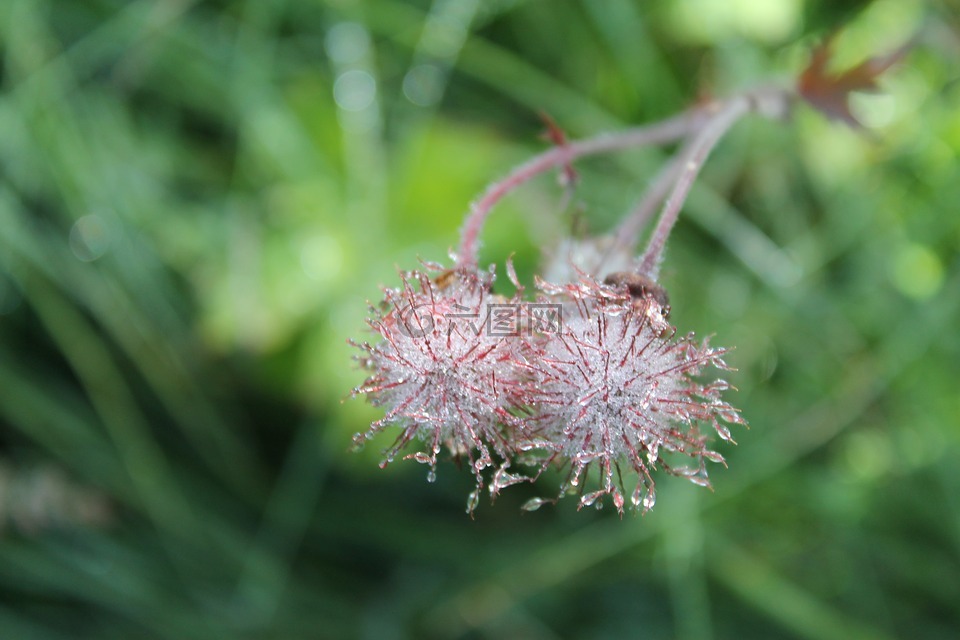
{"points": [[770, 102], [654, 134], [703, 127], [629, 231]]}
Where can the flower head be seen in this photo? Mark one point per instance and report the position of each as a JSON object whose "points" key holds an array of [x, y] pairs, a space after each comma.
{"points": [[444, 380], [615, 390]]}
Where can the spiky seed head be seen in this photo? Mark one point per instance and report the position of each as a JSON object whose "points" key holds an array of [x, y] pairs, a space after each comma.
{"points": [[616, 390]]}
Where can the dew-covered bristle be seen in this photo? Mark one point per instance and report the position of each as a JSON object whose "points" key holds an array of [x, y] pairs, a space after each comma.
{"points": [[605, 393]]}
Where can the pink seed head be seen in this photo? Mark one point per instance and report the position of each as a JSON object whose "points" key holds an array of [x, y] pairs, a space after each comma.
{"points": [[442, 377], [615, 390]]}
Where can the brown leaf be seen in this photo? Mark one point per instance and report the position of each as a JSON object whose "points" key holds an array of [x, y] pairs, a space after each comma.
{"points": [[558, 137], [829, 93]]}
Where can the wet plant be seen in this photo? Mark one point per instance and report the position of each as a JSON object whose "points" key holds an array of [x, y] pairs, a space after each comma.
{"points": [[604, 388]]}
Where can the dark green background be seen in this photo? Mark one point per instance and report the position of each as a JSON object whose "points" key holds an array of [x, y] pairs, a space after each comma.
{"points": [[190, 228]]}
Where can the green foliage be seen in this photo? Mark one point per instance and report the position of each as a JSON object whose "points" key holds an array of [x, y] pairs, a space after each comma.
{"points": [[197, 199]]}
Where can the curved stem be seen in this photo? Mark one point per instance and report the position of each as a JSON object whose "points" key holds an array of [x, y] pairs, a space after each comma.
{"points": [[659, 133], [626, 239], [767, 101]]}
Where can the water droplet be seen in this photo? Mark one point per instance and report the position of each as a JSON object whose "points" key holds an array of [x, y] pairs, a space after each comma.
{"points": [[653, 452], [722, 431], [713, 456], [503, 479], [432, 476], [473, 500], [421, 457], [533, 445], [590, 498], [649, 500], [575, 480], [533, 504]]}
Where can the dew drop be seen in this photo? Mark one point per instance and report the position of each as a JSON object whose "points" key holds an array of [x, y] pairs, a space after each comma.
{"points": [[713, 456], [432, 476], [700, 481], [590, 498], [503, 479], [722, 431], [421, 457], [575, 480], [473, 500], [732, 417], [533, 504], [653, 452], [649, 500]]}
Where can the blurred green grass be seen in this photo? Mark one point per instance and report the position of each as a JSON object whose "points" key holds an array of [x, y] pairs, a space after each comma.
{"points": [[198, 198]]}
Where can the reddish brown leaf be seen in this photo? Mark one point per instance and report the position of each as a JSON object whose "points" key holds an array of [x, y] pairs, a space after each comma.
{"points": [[829, 93], [557, 136]]}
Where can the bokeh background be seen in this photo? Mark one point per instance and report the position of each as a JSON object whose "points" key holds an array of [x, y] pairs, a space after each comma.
{"points": [[197, 199]]}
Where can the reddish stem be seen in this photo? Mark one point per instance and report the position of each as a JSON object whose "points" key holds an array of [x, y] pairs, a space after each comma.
{"points": [[626, 238], [703, 127], [658, 133], [771, 102]]}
